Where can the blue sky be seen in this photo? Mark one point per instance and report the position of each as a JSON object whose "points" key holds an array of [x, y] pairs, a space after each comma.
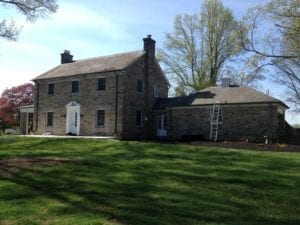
{"points": [[90, 28]]}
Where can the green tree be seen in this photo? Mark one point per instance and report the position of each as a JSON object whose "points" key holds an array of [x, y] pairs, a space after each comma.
{"points": [[195, 53], [279, 47], [31, 9]]}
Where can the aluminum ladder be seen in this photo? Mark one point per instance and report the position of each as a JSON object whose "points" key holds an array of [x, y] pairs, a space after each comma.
{"points": [[214, 121]]}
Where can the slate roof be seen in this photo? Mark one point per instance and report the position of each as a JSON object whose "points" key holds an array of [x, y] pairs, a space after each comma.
{"points": [[93, 65], [224, 95]]}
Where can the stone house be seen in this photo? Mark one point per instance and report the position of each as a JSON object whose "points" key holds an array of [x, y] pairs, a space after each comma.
{"points": [[108, 96], [126, 96]]}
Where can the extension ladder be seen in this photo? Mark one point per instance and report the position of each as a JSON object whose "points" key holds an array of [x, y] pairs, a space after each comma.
{"points": [[214, 121]]}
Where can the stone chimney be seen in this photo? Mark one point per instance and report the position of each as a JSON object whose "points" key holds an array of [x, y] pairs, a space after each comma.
{"points": [[226, 80], [66, 57], [149, 46]]}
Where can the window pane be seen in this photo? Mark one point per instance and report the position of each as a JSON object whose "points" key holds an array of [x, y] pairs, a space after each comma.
{"points": [[101, 86], [100, 118], [159, 122], [139, 86], [156, 90], [51, 89], [165, 122], [75, 86], [50, 119], [221, 115], [76, 119], [139, 118]]}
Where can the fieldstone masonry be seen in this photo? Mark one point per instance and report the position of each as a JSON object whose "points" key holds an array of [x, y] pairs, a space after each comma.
{"points": [[240, 122], [253, 120], [120, 100]]}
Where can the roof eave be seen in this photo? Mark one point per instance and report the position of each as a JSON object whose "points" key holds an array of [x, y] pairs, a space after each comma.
{"points": [[79, 74], [236, 103]]}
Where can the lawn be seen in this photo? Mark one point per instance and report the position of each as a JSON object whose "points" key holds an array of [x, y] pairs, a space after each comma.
{"points": [[79, 181]]}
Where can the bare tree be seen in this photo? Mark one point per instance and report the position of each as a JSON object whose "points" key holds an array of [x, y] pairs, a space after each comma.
{"points": [[279, 47], [288, 76], [31, 9], [199, 46]]}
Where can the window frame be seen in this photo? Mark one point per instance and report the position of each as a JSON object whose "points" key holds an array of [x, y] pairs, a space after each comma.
{"points": [[98, 86], [156, 91], [74, 92], [97, 118], [139, 118], [53, 88], [140, 86], [49, 122]]}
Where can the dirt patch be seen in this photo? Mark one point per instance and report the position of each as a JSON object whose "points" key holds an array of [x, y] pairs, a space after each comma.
{"points": [[250, 146], [11, 166], [6, 222]]}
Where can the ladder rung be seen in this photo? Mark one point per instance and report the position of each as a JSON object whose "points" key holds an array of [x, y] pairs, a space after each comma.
{"points": [[214, 121]]}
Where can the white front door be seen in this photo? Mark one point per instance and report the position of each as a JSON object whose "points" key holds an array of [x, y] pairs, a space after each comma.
{"points": [[162, 126], [73, 121], [73, 118]]}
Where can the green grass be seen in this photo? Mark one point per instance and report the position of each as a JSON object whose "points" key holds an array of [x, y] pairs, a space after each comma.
{"points": [[120, 182]]}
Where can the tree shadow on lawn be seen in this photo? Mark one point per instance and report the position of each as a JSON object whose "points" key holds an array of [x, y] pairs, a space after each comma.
{"points": [[140, 184]]}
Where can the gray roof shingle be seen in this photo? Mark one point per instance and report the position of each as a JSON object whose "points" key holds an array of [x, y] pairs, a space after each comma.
{"points": [[223, 95], [93, 65]]}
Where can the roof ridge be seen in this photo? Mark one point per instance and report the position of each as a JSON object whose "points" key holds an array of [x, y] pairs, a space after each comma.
{"points": [[108, 56], [92, 65], [230, 95]]}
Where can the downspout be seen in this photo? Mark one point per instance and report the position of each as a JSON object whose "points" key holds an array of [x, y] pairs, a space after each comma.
{"points": [[116, 106], [169, 123], [27, 118], [146, 127], [270, 123], [36, 105]]}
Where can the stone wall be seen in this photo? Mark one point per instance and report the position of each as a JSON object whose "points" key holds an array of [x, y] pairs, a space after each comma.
{"points": [[240, 122], [88, 97], [144, 102], [125, 101]]}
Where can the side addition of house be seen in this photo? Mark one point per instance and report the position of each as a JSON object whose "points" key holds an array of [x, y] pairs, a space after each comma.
{"points": [[226, 112]]}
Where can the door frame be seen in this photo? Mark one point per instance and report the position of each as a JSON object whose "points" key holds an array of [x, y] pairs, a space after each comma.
{"points": [[70, 108], [161, 122]]}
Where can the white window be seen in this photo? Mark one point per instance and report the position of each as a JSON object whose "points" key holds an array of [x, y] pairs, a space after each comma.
{"points": [[49, 119], [74, 86], [50, 88], [139, 86], [156, 91], [139, 118], [100, 119], [101, 84]]}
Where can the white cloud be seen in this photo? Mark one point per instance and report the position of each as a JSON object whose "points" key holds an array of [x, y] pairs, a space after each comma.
{"points": [[88, 28], [14, 77], [72, 18]]}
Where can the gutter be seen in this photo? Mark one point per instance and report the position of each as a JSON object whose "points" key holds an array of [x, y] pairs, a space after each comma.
{"points": [[221, 103], [116, 106], [271, 136], [36, 105]]}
